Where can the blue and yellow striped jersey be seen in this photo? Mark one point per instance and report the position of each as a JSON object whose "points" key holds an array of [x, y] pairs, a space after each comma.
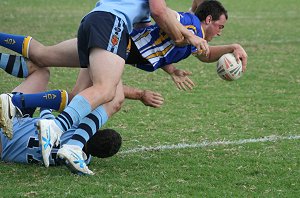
{"points": [[155, 46]]}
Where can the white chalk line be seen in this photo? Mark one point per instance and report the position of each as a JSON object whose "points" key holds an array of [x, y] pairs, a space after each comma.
{"points": [[272, 138]]}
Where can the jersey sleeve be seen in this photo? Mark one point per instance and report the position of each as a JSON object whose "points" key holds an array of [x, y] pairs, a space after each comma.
{"points": [[193, 24]]}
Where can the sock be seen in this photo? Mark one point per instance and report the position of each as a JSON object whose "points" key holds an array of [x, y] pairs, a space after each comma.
{"points": [[88, 127], [46, 114], [54, 99], [14, 65], [17, 43], [78, 108]]}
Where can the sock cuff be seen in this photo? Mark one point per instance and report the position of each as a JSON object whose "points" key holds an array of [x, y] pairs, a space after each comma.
{"points": [[64, 100], [25, 46]]}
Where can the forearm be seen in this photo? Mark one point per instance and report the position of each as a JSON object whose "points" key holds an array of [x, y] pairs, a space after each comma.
{"points": [[132, 93], [170, 69], [166, 20], [216, 52]]}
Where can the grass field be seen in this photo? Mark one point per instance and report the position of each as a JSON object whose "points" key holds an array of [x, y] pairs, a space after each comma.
{"points": [[216, 130]]}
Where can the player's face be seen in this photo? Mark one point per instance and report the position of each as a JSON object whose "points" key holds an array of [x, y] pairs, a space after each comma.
{"points": [[215, 28]]}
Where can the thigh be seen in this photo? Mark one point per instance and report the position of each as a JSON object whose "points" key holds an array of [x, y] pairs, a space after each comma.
{"points": [[105, 68], [63, 54]]}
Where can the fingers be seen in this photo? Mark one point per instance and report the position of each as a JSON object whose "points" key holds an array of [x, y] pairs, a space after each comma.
{"points": [[186, 84], [244, 63], [204, 49], [152, 99]]}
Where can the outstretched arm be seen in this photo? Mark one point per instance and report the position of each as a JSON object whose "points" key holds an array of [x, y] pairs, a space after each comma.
{"points": [[147, 97], [217, 51]]}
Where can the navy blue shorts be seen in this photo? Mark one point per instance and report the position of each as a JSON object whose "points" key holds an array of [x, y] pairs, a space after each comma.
{"points": [[101, 30]]}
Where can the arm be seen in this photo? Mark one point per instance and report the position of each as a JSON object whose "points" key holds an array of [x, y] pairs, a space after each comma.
{"points": [[167, 21], [148, 98], [217, 51], [179, 77]]}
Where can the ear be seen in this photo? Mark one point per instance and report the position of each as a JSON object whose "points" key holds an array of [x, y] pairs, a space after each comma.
{"points": [[208, 19]]}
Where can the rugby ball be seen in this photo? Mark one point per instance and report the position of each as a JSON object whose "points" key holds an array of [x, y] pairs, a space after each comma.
{"points": [[228, 68]]}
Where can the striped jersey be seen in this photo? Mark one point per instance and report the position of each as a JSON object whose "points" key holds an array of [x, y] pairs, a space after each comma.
{"points": [[155, 46]]}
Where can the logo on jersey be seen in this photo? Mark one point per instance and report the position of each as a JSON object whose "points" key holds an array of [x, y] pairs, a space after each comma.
{"points": [[117, 29], [114, 40]]}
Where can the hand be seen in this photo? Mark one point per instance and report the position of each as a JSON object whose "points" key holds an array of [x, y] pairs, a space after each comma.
{"points": [[181, 79], [152, 99], [200, 44], [240, 55]]}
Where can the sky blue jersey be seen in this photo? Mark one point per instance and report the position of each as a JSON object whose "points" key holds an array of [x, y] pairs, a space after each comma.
{"points": [[130, 11], [24, 146], [155, 46]]}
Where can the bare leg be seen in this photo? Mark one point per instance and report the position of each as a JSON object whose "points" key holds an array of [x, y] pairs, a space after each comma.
{"points": [[63, 54], [36, 82], [105, 70]]}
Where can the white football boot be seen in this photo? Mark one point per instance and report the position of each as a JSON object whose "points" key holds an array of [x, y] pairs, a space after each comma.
{"points": [[8, 112], [49, 134], [74, 158]]}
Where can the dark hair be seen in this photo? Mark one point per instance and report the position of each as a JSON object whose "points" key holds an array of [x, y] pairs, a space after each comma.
{"points": [[105, 143], [210, 7]]}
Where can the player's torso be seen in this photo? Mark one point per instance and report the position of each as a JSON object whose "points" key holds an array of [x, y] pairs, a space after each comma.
{"points": [[24, 146], [155, 46]]}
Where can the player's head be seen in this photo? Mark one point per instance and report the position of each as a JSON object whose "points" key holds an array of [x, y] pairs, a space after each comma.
{"points": [[105, 143], [213, 16]]}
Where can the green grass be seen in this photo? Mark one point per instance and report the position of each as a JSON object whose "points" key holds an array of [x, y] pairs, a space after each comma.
{"points": [[264, 102]]}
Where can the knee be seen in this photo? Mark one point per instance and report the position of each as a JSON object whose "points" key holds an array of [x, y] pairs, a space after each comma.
{"points": [[115, 105], [106, 92], [118, 103]]}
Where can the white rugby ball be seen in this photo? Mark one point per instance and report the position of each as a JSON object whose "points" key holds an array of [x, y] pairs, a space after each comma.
{"points": [[228, 68]]}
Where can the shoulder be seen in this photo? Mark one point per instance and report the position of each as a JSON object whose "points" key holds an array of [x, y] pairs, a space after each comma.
{"points": [[187, 18]]}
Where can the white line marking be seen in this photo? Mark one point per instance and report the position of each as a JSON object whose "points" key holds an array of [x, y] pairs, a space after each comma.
{"points": [[272, 138]]}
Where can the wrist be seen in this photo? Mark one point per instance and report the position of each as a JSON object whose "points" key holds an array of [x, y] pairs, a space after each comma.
{"points": [[141, 94]]}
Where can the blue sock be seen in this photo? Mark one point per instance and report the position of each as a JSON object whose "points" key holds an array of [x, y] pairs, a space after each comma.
{"points": [[17, 43], [88, 127], [50, 99], [78, 108], [14, 65]]}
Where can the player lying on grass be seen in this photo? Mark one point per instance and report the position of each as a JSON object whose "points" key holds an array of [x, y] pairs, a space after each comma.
{"points": [[213, 17], [24, 146], [58, 99]]}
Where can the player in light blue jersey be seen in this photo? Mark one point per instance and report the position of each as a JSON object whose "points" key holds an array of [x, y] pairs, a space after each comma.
{"points": [[25, 146]]}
